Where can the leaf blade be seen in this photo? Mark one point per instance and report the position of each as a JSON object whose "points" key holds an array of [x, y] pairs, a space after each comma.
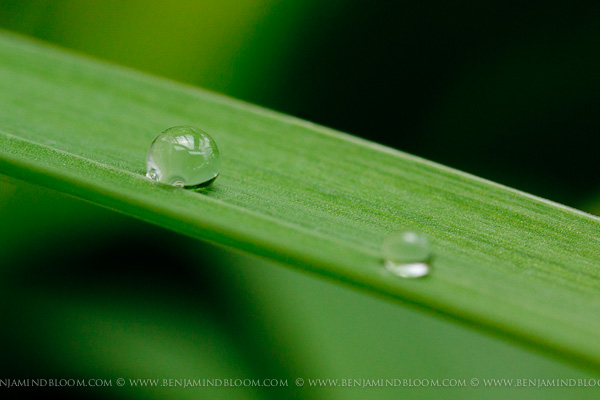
{"points": [[305, 195]]}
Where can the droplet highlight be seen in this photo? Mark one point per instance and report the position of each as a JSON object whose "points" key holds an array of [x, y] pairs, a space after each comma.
{"points": [[183, 156], [407, 254]]}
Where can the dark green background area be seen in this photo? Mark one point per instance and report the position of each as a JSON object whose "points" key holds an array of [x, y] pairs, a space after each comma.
{"points": [[504, 90]]}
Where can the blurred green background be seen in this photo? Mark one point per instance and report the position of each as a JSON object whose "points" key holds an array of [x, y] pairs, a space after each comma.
{"points": [[500, 89]]}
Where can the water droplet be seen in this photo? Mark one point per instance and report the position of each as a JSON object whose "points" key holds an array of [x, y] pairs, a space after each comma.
{"points": [[407, 254], [184, 156]]}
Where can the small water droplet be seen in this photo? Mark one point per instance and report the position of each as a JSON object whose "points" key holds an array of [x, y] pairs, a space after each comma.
{"points": [[407, 254], [183, 156]]}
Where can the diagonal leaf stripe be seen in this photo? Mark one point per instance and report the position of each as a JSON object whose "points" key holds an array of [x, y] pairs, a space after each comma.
{"points": [[306, 196]]}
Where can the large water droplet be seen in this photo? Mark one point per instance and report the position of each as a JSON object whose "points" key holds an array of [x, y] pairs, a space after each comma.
{"points": [[184, 156], [407, 254]]}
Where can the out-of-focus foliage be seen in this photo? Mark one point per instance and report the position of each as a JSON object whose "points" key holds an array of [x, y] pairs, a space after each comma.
{"points": [[241, 48]]}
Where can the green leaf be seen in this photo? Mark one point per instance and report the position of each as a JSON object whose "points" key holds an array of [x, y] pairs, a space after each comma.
{"points": [[306, 196]]}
